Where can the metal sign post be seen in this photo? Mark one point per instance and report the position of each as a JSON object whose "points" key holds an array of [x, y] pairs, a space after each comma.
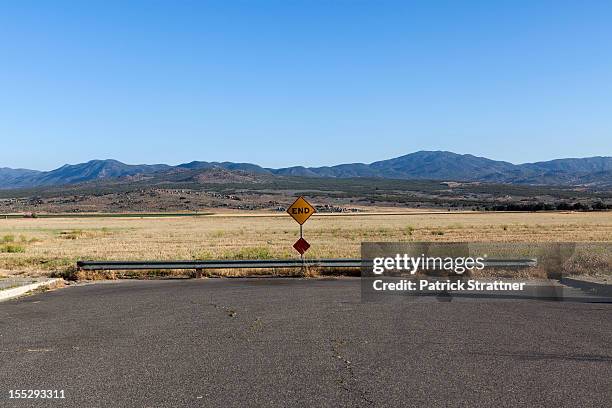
{"points": [[301, 210]]}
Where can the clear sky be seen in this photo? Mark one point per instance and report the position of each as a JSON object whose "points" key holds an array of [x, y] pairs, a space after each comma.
{"points": [[309, 82]]}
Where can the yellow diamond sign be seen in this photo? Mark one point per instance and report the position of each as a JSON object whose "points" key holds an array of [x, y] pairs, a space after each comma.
{"points": [[301, 210]]}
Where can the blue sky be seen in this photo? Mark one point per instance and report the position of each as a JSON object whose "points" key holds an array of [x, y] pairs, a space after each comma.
{"points": [[292, 82]]}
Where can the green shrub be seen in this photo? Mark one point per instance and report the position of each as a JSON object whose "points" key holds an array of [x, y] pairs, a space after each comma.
{"points": [[8, 238], [12, 248], [250, 253]]}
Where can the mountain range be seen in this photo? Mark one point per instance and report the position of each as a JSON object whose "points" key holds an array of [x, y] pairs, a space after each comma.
{"points": [[429, 165]]}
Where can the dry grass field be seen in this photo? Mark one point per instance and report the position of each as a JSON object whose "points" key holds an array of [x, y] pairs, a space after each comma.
{"points": [[51, 245]]}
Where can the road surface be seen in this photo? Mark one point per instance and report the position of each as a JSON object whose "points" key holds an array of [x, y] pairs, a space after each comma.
{"points": [[292, 342]]}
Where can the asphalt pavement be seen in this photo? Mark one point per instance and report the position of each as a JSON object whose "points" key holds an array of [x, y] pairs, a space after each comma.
{"points": [[295, 342]]}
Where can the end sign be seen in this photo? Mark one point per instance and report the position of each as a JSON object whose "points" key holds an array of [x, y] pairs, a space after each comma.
{"points": [[301, 210]]}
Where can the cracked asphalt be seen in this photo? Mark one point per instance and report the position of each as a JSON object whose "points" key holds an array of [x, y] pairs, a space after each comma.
{"points": [[293, 342]]}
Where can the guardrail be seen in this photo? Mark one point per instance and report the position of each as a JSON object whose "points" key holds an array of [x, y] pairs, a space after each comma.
{"points": [[217, 264], [199, 266]]}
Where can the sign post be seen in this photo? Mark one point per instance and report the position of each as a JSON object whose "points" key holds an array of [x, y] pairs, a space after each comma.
{"points": [[301, 210]]}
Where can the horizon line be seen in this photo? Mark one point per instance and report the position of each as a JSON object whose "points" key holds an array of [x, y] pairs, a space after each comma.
{"points": [[302, 166]]}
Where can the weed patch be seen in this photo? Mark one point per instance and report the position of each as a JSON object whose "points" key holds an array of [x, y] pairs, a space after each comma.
{"points": [[12, 248], [7, 239], [250, 253]]}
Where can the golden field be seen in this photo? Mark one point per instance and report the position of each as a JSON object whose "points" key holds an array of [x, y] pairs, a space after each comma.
{"points": [[47, 245]]}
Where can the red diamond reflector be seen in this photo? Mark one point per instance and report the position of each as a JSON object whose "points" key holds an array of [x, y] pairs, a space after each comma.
{"points": [[301, 245]]}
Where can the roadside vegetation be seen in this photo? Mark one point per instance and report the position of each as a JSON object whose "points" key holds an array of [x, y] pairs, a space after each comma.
{"points": [[9, 244], [45, 246]]}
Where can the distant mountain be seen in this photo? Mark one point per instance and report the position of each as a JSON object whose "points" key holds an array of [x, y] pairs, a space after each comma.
{"points": [[207, 175], [586, 165], [432, 165], [11, 178], [199, 165], [77, 173], [419, 165], [342, 171], [439, 165]]}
